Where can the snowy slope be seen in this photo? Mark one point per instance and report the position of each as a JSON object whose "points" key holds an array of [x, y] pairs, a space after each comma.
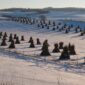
{"points": [[67, 15], [28, 30], [19, 72], [72, 15], [27, 71]]}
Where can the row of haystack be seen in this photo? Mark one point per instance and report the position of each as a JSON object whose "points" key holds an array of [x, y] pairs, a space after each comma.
{"points": [[47, 23], [60, 27], [65, 54]]}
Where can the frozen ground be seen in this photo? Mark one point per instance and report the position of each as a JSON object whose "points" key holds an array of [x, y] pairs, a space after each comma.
{"points": [[30, 68]]}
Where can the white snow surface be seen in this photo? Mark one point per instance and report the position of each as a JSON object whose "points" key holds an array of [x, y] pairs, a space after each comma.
{"points": [[30, 68]]}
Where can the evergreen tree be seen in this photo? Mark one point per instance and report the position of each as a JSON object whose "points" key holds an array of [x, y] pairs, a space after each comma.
{"points": [[65, 54], [45, 50], [56, 49], [12, 45]]}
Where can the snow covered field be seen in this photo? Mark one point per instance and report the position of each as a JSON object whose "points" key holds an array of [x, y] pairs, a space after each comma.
{"points": [[20, 72], [30, 68]]}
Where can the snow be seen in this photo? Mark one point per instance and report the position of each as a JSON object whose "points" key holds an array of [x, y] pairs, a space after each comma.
{"points": [[67, 15], [19, 72], [73, 15], [23, 65]]}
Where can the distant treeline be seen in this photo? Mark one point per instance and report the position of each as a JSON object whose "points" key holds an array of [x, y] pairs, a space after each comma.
{"points": [[25, 10], [44, 10]]}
